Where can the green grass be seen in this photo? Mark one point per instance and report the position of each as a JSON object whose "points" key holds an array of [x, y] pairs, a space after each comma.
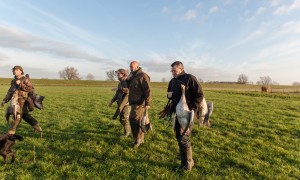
{"points": [[253, 136]]}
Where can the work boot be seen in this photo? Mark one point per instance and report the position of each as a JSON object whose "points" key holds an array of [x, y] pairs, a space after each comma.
{"points": [[189, 159], [37, 128]]}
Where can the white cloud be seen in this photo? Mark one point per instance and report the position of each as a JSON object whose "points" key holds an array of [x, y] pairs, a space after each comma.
{"points": [[285, 9], [279, 51], [3, 57], [63, 25], [290, 27], [274, 2], [199, 5], [226, 2], [211, 74], [254, 35], [18, 39], [190, 15], [165, 10], [213, 10], [57, 28], [259, 11]]}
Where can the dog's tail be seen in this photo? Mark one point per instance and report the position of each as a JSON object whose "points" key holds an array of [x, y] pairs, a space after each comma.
{"points": [[15, 136]]}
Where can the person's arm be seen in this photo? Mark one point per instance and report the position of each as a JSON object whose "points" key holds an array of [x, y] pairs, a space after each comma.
{"points": [[145, 82], [9, 93], [125, 89], [169, 90]]}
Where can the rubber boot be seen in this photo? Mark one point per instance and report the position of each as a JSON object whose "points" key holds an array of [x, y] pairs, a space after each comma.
{"points": [[189, 159], [182, 158]]}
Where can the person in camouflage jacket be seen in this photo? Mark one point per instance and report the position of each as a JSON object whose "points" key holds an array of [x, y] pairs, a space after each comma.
{"points": [[121, 97], [18, 94]]}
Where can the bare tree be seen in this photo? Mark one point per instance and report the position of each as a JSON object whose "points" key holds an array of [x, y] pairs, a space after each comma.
{"points": [[69, 73], [164, 79], [242, 79], [266, 82], [296, 84], [90, 77], [111, 75]]}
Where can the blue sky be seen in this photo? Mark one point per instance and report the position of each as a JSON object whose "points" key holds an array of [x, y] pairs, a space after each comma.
{"points": [[216, 40]]}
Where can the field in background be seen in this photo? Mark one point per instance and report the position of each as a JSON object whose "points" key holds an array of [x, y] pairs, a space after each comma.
{"points": [[253, 136], [206, 86]]}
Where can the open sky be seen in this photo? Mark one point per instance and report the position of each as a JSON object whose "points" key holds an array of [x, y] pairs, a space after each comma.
{"points": [[216, 40]]}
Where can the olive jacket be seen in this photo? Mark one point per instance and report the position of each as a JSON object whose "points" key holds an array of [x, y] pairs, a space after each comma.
{"points": [[139, 88]]}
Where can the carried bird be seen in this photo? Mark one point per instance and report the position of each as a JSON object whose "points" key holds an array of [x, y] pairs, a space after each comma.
{"points": [[183, 114]]}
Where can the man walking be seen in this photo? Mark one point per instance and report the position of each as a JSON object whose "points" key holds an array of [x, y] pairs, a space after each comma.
{"points": [[193, 95], [121, 97], [139, 100], [18, 93]]}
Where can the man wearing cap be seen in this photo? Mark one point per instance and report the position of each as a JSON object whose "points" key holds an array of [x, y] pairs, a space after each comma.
{"points": [[18, 94], [121, 97], [139, 100]]}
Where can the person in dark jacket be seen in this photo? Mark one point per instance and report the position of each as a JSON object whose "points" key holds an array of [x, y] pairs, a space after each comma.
{"points": [[121, 97], [139, 100], [194, 97], [18, 94]]}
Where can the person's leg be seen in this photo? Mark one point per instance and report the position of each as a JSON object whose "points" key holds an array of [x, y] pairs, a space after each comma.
{"points": [[30, 120], [136, 114], [124, 120], [177, 129], [185, 147]]}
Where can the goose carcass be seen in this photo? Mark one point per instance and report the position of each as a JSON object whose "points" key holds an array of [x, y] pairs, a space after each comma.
{"points": [[14, 108], [206, 111], [183, 114]]}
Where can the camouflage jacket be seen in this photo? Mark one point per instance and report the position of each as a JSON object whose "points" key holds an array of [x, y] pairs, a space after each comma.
{"points": [[139, 88], [23, 88], [121, 95], [194, 94]]}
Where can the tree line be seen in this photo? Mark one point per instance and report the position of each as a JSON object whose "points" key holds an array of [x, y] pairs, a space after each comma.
{"points": [[71, 73]]}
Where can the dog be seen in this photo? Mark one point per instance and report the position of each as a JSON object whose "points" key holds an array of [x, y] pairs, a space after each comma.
{"points": [[7, 141]]}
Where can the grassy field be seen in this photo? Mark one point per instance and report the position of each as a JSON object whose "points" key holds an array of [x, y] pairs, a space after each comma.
{"points": [[253, 136]]}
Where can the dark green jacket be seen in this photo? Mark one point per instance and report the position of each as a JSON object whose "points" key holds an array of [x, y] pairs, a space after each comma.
{"points": [[139, 88], [121, 95]]}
